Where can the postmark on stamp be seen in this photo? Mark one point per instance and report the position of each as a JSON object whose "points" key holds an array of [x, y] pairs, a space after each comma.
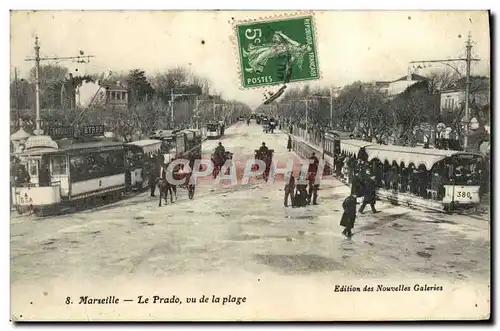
{"points": [[277, 51]]}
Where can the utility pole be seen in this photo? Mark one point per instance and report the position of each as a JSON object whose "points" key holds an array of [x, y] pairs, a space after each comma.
{"points": [[468, 60], [306, 101], [16, 94], [172, 98], [331, 107], [330, 98], [37, 60], [467, 90], [215, 107]]}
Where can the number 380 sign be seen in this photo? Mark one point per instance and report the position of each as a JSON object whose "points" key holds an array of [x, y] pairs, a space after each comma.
{"points": [[461, 194]]}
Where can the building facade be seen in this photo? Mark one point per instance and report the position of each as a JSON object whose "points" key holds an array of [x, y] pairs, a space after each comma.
{"points": [[390, 89], [95, 93], [400, 85], [452, 100]]}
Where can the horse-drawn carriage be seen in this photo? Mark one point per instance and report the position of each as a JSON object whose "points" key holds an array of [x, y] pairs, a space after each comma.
{"points": [[267, 158], [218, 162], [179, 173]]}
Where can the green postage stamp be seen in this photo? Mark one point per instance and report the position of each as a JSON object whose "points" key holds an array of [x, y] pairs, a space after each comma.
{"points": [[277, 51]]}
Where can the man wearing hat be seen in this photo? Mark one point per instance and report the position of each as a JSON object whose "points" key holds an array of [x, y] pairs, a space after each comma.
{"points": [[369, 195], [263, 149], [349, 215]]}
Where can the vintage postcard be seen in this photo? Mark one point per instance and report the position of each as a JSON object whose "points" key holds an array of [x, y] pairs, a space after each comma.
{"points": [[250, 165]]}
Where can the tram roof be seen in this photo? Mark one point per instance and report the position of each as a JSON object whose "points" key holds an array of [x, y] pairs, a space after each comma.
{"points": [[65, 145], [147, 145], [164, 133], [416, 155], [339, 134], [353, 145], [71, 144]]}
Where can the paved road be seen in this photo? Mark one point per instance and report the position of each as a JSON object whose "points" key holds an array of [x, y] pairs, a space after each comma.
{"points": [[245, 229]]}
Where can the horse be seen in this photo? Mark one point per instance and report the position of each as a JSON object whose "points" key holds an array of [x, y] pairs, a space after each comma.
{"points": [[165, 187], [267, 158], [218, 161]]}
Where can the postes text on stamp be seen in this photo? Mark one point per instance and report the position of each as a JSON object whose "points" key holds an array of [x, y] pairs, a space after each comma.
{"points": [[277, 51]]}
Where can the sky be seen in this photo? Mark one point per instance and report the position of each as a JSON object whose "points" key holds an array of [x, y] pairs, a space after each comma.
{"points": [[351, 45]]}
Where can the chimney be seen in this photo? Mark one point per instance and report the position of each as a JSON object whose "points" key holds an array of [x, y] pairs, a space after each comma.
{"points": [[118, 83]]}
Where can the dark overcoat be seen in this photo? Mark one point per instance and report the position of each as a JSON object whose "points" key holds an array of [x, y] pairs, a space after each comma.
{"points": [[349, 215], [356, 186], [369, 193], [289, 144]]}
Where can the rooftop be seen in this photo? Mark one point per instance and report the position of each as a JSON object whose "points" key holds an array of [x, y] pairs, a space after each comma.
{"points": [[413, 77]]}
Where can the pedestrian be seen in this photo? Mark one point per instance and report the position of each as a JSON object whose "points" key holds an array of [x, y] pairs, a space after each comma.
{"points": [[369, 195], [349, 215], [289, 144], [356, 186], [289, 190], [313, 189], [314, 163], [154, 173]]}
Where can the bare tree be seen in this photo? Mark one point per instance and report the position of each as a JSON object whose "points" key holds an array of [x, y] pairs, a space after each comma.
{"points": [[203, 82], [410, 109], [441, 80]]}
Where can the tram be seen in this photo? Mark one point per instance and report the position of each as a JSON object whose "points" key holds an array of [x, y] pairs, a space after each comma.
{"points": [[141, 158], [68, 171], [87, 168], [214, 130], [168, 143], [446, 179], [188, 143]]}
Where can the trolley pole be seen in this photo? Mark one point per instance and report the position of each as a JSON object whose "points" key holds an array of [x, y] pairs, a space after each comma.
{"points": [[467, 91], [214, 109], [16, 94], [172, 106], [306, 101], [172, 99], [38, 131]]}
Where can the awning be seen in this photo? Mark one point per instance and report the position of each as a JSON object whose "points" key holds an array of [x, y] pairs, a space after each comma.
{"points": [[407, 155], [352, 146], [148, 145]]}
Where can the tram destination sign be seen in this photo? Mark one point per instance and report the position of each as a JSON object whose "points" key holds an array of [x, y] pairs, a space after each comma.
{"points": [[92, 130], [70, 132], [62, 132]]}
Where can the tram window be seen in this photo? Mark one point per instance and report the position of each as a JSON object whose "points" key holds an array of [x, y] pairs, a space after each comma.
{"points": [[58, 165], [33, 167], [96, 165]]}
